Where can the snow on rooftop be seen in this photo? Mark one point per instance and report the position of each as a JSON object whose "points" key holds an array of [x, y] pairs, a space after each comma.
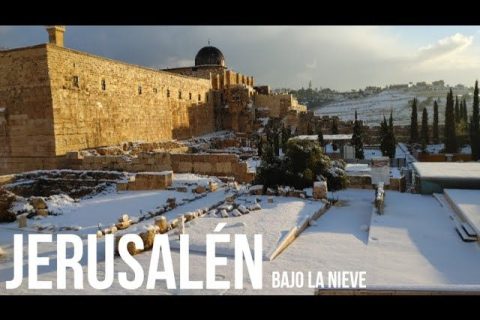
{"points": [[467, 204], [156, 173], [325, 137], [337, 136], [357, 168], [448, 170]]}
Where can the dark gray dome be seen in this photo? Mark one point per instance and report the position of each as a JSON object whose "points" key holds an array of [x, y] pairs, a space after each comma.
{"points": [[209, 56]]}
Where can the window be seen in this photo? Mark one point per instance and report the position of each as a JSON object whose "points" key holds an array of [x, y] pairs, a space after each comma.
{"points": [[179, 94], [199, 97], [104, 85], [189, 96], [206, 97], [76, 82], [139, 89], [168, 93], [155, 90]]}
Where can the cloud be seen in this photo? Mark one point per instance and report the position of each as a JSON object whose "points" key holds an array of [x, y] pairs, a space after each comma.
{"points": [[445, 47], [312, 65], [338, 57]]}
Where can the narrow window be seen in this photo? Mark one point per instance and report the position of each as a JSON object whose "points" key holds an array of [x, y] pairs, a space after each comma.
{"points": [[179, 94], [139, 89], [75, 81], [199, 97], [189, 96], [206, 97], [104, 85], [155, 90], [168, 93]]}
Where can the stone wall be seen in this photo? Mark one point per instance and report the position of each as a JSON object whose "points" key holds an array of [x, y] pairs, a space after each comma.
{"points": [[278, 104], [101, 102], [208, 164], [26, 122]]}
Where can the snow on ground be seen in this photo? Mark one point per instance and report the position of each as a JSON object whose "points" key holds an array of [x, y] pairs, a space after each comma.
{"points": [[436, 148], [336, 242], [107, 209], [371, 109], [467, 202], [395, 173], [253, 163], [273, 222], [369, 154], [329, 148], [413, 244]]}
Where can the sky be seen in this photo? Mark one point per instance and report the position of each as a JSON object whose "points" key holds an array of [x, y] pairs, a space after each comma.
{"points": [[336, 57]]}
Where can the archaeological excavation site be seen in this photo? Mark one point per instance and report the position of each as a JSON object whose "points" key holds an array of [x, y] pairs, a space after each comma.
{"points": [[99, 148]]}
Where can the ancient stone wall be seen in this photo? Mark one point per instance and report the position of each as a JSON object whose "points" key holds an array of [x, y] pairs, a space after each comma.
{"points": [[208, 164], [26, 126], [279, 104], [101, 102]]}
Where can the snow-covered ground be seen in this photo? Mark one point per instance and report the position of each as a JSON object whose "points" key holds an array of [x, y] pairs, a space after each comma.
{"points": [[436, 148], [105, 210], [413, 244], [371, 109], [369, 154]]}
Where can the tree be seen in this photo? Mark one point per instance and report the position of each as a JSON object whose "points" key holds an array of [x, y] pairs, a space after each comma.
{"points": [[435, 137], [414, 123], [357, 138], [424, 131], [450, 137], [463, 112], [320, 135], [259, 146], [276, 142], [334, 126], [475, 126], [457, 110], [304, 161], [384, 136], [286, 134], [391, 140]]}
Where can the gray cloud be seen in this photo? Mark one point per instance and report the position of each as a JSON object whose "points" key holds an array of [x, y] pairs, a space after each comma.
{"points": [[336, 57]]}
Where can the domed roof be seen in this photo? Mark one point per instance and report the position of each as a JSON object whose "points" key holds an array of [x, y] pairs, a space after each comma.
{"points": [[209, 56]]}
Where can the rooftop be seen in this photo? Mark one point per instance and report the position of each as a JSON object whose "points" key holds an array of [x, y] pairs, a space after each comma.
{"points": [[448, 170]]}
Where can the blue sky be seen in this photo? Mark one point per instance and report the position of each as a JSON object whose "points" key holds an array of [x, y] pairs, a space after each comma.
{"points": [[343, 57]]}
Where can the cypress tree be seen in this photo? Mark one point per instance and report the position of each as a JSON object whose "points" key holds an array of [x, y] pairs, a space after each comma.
{"points": [[436, 138], [414, 123], [450, 137], [474, 126], [391, 140], [276, 143], [320, 135], [334, 126], [286, 134], [357, 138], [457, 110], [384, 136], [463, 113], [259, 147], [424, 132]]}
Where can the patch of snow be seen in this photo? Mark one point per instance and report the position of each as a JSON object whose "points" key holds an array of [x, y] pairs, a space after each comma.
{"points": [[370, 154], [448, 170], [253, 163]]}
